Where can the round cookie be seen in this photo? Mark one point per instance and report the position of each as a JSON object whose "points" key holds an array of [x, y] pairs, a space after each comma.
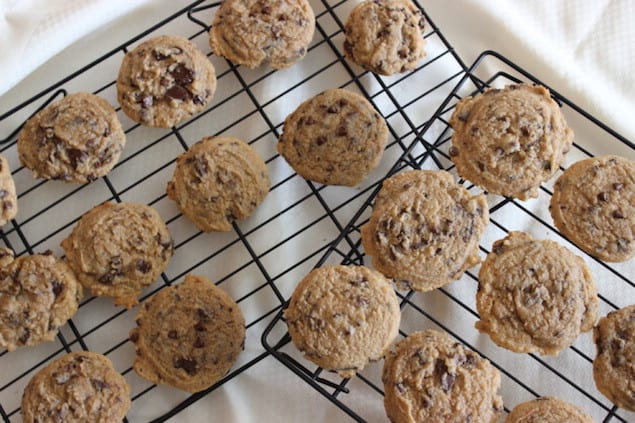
{"points": [[614, 364], [547, 409], [117, 249], [188, 336], [38, 294], [8, 195], [509, 140], [164, 81], [334, 138], [385, 37], [430, 378], [593, 204], [79, 387], [76, 139], [343, 317], [534, 295], [253, 32], [219, 180], [425, 229]]}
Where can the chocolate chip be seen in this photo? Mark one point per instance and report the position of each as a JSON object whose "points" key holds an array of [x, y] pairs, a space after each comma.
{"points": [[25, 336], [603, 196], [7, 205], [617, 186], [498, 248], [282, 17], [172, 334], [134, 336], [401, 388], [422, 23], [525, 131], [348, 47], [177, 92], [403, 53], [182, 75], [200, 326], [453, 151], [446, 379], [203, 314], [333, 109], [200, 167], [57, 287], [320, 140], [199, 343], [197, 99], [76, 156], [342, 131], [189, 365], [99, 384], [361, 301], [143, 266], [265, 10], [276, 31], [481, 166], [383, 33], [618, 214]]}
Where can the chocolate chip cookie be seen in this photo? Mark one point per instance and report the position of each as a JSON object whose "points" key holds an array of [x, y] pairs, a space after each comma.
{"points": [[385, 37], [425, 229], [547, 409], [593, 204], [334, 138], [38, 294], [164, 81], [219, 180], [614, 364], [509, 140], [79, 387], [430, 378], [188, 335], [534, 295], [8, 195], [254, 32], [76, 139], [116, 250], [343, 317]]}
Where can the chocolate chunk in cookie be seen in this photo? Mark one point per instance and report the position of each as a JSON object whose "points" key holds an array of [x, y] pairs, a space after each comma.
{"points": [[8, 195]]}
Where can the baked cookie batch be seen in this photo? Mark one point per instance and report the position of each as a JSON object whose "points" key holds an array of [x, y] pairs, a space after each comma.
{"points": [[424, 231]]}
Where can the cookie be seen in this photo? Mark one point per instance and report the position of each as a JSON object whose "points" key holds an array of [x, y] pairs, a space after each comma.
{"points": [[430, 378], [76, 139], [79, 387], [164, 81], [188, 335], [343, 317], [385, 37], [614, 364], [509, 140], [8, 195], [254, 32], [38, 294], [593, 204], [219, 180], [534, 295], [117, 249], [547, 409], [334, 138], [425, 229]]}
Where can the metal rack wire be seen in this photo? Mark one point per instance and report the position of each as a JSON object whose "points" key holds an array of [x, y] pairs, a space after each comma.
{"points": [[299, 226]]}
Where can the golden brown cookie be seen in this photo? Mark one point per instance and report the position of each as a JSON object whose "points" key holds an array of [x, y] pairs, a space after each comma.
{"points": [[430, 378], [385, 37], [534, 295], [8, 195], [188, 335], [79, 387], [38, 294], [546, 410], [253, 32], [334, 138], [614, 364], [509, 140], [593, 204], [343, 317], [75, 139], [164, 81], [425, 229], [117, 249], [219, 180]]}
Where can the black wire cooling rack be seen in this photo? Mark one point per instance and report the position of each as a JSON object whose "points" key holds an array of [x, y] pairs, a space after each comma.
{"points": [[300, 225]]}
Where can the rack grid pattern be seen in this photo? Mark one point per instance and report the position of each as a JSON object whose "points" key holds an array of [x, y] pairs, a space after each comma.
{"points": [[300, 225]]}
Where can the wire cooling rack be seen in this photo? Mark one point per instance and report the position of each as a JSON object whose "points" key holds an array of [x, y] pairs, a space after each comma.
{"points": [[300, 225]]}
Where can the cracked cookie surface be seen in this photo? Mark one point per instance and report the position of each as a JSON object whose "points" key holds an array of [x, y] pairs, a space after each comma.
{"points": [[164, 81], [334, 138], [219, 180], [593, 204], [509, 140], [385, 37], [117, 249], [614, 364], [188, 335], [78, 387], [254, 32], [343, 317], [76, 139], [425, 229], [534, 295], [8, 195], [547, 409], [38, 294], [428, 377]]}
